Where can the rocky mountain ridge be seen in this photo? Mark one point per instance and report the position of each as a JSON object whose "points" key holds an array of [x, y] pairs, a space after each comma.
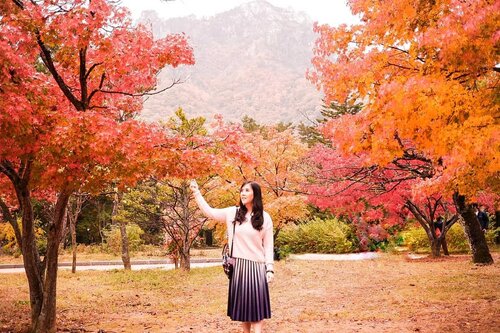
{"points": [[251, 60]]}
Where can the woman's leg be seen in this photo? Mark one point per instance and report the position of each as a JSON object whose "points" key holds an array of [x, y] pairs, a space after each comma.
{"points": [[246, 327], [257, 326]]}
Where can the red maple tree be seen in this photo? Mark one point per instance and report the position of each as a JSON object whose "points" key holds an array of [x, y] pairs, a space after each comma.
{"points": [[73, 77]]}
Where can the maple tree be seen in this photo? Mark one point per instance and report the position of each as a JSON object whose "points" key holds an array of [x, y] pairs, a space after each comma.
{"points": [[179, 217], [374, 199], [269, 155], [276, 155], [377, 199], [424, 72], [201, 153], [75, 204], [73, 74]]}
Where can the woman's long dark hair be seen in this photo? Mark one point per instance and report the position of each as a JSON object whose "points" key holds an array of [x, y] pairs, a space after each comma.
{"points": [[257, 207]]}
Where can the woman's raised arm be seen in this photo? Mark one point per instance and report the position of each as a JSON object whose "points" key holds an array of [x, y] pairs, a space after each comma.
{"points": [[211, 213]]}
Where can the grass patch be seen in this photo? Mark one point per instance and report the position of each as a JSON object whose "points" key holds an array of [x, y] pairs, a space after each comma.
{"points": [[95, 253]]}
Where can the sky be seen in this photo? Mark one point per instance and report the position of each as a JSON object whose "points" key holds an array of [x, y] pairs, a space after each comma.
{"points": [[331, 12]]}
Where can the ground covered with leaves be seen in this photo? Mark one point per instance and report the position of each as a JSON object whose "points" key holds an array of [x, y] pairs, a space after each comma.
{"points": [[388, 294]]}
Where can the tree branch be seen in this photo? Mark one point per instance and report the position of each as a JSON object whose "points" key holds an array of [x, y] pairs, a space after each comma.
{"points": [[18, 3], [419, 215], [49, 63], [91, 69], [176, 81], [83, 76]]}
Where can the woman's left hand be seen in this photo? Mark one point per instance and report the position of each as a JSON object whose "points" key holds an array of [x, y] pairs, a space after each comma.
{"points": [[270, 277]]}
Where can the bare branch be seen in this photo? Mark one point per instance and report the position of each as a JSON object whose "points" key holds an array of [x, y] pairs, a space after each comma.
{"points": [[83, 75], [19, 3], [176, 81], [91, 69]]}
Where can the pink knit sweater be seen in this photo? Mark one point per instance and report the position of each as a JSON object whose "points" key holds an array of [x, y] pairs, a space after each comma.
{"points": [[248, 243]]}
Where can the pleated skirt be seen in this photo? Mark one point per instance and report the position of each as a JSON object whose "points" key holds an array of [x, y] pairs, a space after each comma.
{"points": [[248, 299]]}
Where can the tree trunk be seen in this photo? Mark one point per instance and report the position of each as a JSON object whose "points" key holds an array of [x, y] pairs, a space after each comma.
{"points": [[175, 258], [66, 230], [176, 262], [117, 199], [72, 227], [125, 247], [185, 259], [445, 246], [100, 208], [435, 247], [32, 264], [26, 238], [41, 276], [46, 321], [477, 241], [428, 225], [74, 210]]}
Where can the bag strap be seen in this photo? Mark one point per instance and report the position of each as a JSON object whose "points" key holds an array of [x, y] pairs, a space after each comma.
{"points": [[234, 230]]}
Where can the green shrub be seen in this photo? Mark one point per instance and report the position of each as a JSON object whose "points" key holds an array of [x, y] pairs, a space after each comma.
{"points": [[317, 236], [456, 239], [416, 239], [113, 238], [491, 235]]}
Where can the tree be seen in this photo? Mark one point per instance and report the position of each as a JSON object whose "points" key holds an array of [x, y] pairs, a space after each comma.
{"points": [[428, 217], [141, 205], [71, 71], [276, 157], [311, 134], [181, 220], [201, 155], [374, 199], [250, 125], [347, 189], [94, 219], [424, 73], [75, 205]]}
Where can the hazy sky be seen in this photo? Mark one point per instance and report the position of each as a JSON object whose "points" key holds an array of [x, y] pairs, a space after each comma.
{"points": [[332, 12]]}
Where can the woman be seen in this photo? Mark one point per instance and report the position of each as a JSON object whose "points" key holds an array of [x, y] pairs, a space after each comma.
{"points": [[252, 228]]}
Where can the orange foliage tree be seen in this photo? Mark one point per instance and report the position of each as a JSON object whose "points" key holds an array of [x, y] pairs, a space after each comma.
{"points": [[276, 156], [201, 153], [73, 74], [424, 72]]}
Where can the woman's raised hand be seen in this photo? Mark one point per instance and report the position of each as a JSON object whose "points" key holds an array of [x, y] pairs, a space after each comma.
{"points": [[193, 186]]}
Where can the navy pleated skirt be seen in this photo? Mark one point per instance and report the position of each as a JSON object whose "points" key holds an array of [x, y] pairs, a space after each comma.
{"points": [[248, 298]]}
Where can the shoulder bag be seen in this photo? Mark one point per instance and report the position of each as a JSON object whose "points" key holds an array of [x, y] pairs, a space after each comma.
{"points": [[227, 257]]}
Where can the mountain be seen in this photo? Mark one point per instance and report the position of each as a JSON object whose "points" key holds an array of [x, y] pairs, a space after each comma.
{"points": [[250, 60]]}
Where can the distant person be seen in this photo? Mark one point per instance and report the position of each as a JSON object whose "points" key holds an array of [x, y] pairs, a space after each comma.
{"points": [[438, 226], [496, 225], [252, 230], [483, 218]]}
